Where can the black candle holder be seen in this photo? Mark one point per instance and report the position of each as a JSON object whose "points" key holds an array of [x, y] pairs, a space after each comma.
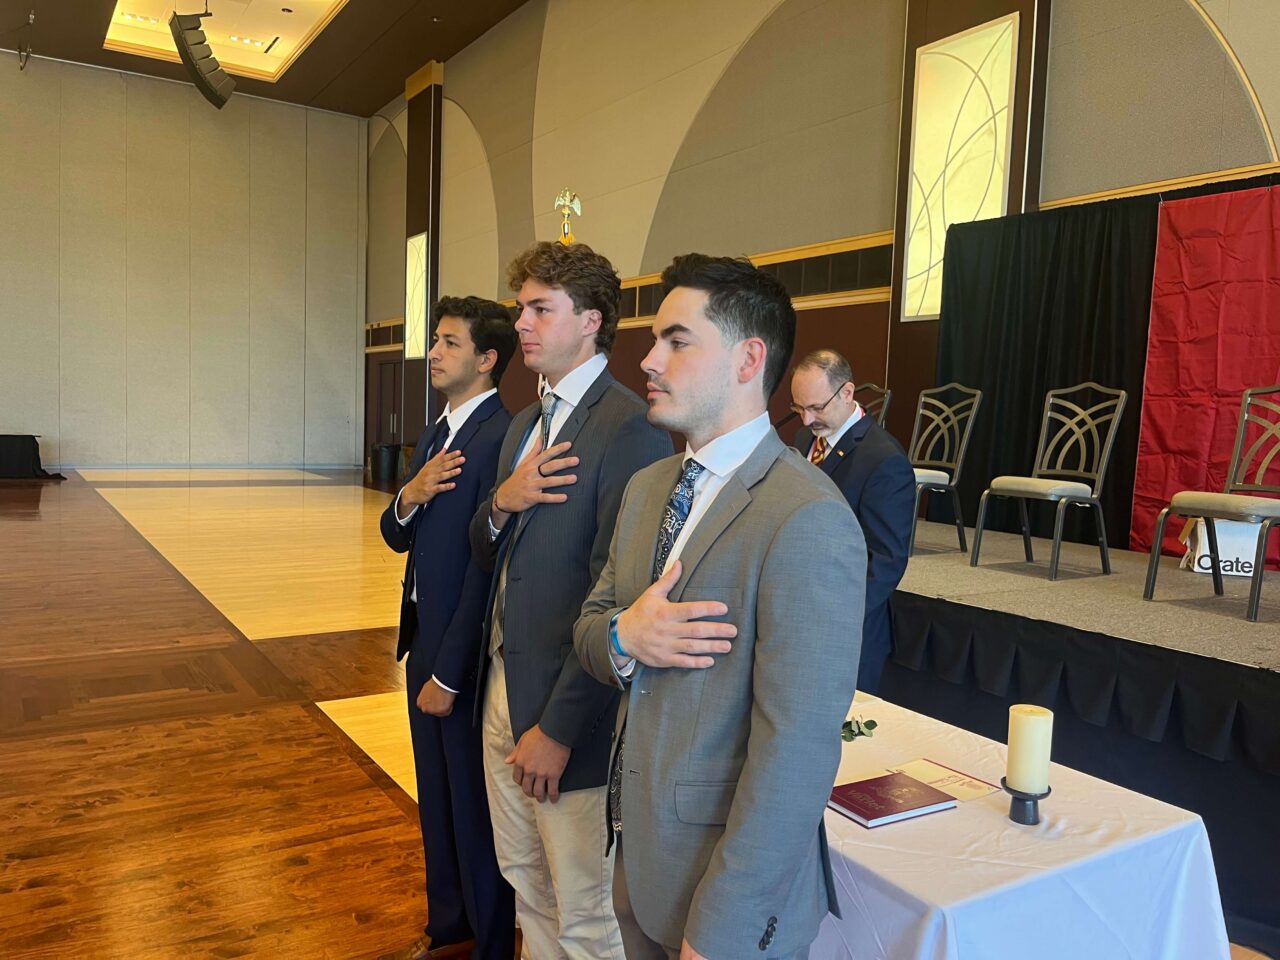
{"points": [[1024, 808]]}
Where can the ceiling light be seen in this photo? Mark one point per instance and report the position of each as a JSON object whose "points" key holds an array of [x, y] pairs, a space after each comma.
{"points": [[234, 39], [257, 43]]}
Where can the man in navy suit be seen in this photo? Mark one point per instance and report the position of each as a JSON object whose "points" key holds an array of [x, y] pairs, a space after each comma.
{"points": [[441, 627], [875, 476]]}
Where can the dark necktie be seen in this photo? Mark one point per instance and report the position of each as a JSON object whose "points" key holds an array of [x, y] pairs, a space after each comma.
{"points": [[443, 433], [674, 516]]}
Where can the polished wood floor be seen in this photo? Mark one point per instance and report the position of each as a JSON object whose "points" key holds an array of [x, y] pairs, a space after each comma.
{"points": [[168, 787], [278, 560]]}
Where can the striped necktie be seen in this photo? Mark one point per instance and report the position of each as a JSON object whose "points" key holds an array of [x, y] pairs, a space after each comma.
{"points": [[548, 412], [819, 451], [674, 516]]}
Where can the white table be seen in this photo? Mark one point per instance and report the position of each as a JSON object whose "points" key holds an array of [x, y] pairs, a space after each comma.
{"points": [[1107, 873]]}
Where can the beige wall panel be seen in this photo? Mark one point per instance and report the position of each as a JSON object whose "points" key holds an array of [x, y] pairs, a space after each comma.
{"points": [[470, 267], [461, 148], [220, 282], [1145, 101], [334, 327], [388, 168], [1252, 28], [157, 271], [29, 104], [91, 229], [623, 144], [740, 204], [495, 78], [806, 65], [468, 211], [512, 174], [613, 224], [632, 47], [277, 280]]}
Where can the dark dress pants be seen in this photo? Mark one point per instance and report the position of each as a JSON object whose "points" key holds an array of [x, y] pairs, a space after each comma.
{"points": [[466, 894]]}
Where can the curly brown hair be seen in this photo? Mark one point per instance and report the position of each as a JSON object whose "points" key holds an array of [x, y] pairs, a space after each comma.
{"points": [[587, 277]]}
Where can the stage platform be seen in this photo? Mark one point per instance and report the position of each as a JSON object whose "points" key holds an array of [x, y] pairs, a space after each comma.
{"points": [[1177, 698], [1185, 615]]}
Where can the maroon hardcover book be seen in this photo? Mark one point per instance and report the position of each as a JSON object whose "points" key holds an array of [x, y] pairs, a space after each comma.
{"points": [[884, 799]]}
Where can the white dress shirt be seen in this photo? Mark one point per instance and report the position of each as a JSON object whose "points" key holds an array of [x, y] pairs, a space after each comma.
{"points": [[722, 458], [457, 419], [569, 392], [841, 431]]}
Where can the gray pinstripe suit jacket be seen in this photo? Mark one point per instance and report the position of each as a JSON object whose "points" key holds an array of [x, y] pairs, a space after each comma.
{"points": [[554, 554]]}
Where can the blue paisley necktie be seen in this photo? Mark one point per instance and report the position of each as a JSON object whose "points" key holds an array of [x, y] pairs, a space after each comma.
{"points": [[674, 516]]}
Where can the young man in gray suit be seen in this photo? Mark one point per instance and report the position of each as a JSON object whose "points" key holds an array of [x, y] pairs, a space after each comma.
{"points": [[545, 532], [726, 610]]}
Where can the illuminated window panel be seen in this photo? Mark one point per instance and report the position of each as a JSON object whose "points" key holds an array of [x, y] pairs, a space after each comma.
{"points": [[960, 146], [415, 297]]}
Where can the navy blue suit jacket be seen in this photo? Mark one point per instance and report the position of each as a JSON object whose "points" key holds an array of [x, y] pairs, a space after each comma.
{"points": [[452, 589], [875, 476]]}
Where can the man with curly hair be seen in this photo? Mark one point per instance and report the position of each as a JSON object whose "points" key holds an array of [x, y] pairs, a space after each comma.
{"points": [[545, 532]]}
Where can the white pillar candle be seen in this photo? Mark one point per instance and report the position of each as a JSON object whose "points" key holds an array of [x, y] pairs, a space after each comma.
{"points": [[1030, 738]]}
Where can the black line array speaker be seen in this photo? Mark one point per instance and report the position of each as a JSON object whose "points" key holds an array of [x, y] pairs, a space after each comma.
{"points": [[210, 79]]}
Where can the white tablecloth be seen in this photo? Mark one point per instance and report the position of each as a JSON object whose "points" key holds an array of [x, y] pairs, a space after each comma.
{"points": [[1107, 873]]}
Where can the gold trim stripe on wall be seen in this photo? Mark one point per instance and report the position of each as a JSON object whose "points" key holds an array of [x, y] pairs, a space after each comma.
{"points": [[817, 301], [1174, 183]]}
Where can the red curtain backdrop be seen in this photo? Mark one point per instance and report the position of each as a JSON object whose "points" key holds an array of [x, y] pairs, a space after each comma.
{"points": [[1215, 331]]}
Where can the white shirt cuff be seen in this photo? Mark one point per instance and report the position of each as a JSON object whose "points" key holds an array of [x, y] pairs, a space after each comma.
{"points": [[405, 521], [493, 531], [437, 682]]}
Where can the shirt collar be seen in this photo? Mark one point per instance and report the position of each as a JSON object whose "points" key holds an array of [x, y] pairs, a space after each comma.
{"points": [[458, 417], [844, 427], [727, 452], [574, 384]]}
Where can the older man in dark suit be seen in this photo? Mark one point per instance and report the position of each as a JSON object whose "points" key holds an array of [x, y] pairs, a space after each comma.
{"points": [[875, 476], [441, 624], [545, 531]]}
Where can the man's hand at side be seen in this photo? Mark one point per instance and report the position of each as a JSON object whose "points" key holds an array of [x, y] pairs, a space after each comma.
{"points": [[433, 699], [537, 763], [659, 633]]}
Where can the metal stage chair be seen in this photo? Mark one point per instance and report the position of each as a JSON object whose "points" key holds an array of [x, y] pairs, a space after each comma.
{"points": [[1261, 407], [938, 444], [878, 405], [1072, 455]]}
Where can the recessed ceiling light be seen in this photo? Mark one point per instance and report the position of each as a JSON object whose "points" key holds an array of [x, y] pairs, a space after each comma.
{"points": [[234, 39], [436, 19]]}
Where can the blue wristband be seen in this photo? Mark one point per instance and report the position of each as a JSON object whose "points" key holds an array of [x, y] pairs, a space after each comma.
{"points": [[613, 637]]}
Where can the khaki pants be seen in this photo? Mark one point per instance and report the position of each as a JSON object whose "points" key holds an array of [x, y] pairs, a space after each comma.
{"points": [[552, 854]]}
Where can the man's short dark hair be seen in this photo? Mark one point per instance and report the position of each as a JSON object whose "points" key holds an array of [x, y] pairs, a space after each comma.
{"points": [[832, 364], [491, 325], [586, 276], [742, 301]]}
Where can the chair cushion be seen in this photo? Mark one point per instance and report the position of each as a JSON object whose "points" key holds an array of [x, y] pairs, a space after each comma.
{"points": [[932, 476], [1042, 488], [1235, 506]]}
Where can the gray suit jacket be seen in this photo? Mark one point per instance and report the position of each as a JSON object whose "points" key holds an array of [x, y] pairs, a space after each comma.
{"points": [[728, 770], [556, 552]]}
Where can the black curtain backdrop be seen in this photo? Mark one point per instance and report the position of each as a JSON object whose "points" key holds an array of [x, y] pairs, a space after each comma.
{"points": [[1038, 301]]}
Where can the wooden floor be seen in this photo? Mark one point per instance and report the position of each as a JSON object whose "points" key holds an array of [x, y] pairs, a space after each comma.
{"points": [[168, 786]]}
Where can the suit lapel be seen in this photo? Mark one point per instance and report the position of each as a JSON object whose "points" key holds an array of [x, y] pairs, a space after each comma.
{"points": [[478, 416], [569, 432], [733, 498], [848, 443]]}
